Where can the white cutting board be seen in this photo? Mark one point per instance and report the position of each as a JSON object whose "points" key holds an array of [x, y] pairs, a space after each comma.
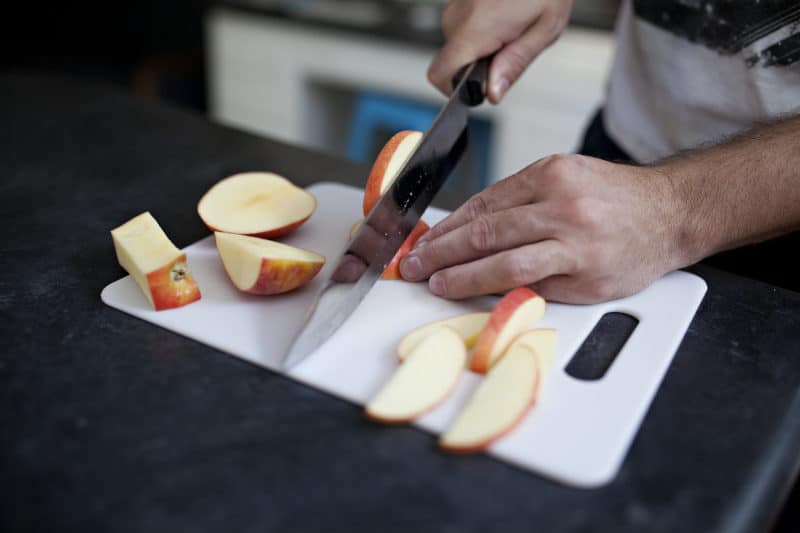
{"points": [[579, 431]]}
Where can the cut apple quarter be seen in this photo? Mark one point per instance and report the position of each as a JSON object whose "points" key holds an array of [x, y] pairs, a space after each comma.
{"points": [[157, 266], [388, 165], [260, 266], [259, 204], [422, 381], [516, 312], [467, 326], [504, 396]]}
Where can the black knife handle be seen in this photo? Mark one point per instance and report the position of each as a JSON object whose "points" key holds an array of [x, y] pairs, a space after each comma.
{"points": [[476, 86]]}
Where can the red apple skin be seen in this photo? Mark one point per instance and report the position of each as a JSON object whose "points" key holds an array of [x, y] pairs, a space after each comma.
{"points": [[271, 234], [482, 445], [500, 315], [393, 268], [280, 275], [373, 189], [173, 285]]}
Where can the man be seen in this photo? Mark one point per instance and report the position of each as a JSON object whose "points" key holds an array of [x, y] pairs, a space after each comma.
{"points": [[704, 96]]}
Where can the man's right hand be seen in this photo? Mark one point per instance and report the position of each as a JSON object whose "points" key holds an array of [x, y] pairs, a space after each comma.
{"points": [[516, 30]]}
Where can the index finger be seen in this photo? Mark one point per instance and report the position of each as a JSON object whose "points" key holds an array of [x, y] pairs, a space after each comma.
{"points": [[514, 191]]}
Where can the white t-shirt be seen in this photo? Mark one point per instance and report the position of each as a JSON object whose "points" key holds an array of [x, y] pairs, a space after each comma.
{"points": [[690, 72]]}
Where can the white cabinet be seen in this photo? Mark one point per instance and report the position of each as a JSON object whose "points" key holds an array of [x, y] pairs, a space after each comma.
{"points": [[287, 80]]}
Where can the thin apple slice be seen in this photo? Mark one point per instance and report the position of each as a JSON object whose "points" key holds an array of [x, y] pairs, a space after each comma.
{"points": [[516, 312], [422, 381], [259, 204], [392, 270], [467, 326], [388, 164], [505, 396], [260, 266], [157, 266]]}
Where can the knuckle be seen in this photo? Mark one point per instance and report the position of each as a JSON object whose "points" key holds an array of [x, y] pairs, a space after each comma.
{"points": [[520, 272], [482, 234], [584, 212], [477, 207]]}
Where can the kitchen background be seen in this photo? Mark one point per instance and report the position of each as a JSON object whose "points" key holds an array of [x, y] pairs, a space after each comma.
{"points": [[337, 75]]}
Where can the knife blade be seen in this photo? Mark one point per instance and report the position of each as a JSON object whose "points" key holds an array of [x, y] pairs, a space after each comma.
{"points": [[393, 217]]}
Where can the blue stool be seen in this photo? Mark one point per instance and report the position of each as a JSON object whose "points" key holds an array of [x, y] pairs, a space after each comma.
{"points": [[375, 111]]}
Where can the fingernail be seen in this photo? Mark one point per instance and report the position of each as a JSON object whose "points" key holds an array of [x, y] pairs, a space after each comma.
{"points": [[436, 284], [411, 267], [500, 87], [422, 241]]}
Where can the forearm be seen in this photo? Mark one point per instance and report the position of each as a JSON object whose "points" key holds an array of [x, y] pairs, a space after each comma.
{"points": [[739, 192]]}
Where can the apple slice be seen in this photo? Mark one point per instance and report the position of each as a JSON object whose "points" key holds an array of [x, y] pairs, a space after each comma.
{"points": [[355, 226], [467, 326], [392, 270], [505, 396], [256, 203], [157, 266], [422, 381], [512, 315], [388, 164], [259, 266]]}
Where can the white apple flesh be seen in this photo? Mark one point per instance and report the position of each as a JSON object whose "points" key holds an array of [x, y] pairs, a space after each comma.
{"points": [[423, 380], [259, 204], [504, 396], [158, 266], [467, 326], [260, 266]]}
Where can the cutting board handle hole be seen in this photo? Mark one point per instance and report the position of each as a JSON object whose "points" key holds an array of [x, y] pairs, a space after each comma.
{"points": [[601, 346]]}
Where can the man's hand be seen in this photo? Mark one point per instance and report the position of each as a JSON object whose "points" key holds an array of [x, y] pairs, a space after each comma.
{"points": [[517, 30], [575, 228]]}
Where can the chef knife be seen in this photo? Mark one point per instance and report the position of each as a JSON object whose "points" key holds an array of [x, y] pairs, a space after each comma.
{"points": [[393, 217]]}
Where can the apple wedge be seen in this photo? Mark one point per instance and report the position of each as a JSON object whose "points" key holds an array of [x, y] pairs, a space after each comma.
{"points": [[259, 204], [259, 266], [505, 396], [388, 164], [422, 381], [467, 326], [157, 266], [512, 315], [392, 270]]}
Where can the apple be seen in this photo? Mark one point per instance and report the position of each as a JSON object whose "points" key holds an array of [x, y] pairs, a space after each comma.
{"points": [[392, 270], [422, 381], [355, 226], [467, 326], [504, 396], [157, 266], [388, 165], [259, 204], [260, 266], [512, 315]]}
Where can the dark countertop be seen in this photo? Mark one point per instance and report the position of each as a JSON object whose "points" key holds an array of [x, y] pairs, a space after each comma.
{"points": [[108, 423]]}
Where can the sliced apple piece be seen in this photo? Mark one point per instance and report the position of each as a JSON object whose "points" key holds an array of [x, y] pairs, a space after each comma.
{"points": [[467, 326], [260, 266], [157, 266], [392, 270], [512, 315], [388, 164], [355, 226], [259, 204], [505, 396], [422, 381]]}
